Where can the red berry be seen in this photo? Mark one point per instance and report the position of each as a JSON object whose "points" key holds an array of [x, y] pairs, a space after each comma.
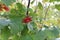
{"points": [[6, 8], [3, 6], [27, 19]]}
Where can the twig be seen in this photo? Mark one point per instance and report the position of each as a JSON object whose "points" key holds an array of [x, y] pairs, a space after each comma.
{"points": [[46, 12], [28, 7], [36, 7]]}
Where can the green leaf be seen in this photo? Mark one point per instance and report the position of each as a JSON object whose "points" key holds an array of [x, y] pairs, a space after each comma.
{"points": [[16, 24], [49, 35], [8, 2], [16, 17], [15, 12], [26, 37], [5, 33], [21, 8], [57, 7], [40, 6], [38, 36], [15, 37], [55, 31], [25, 30], [31, 13]]}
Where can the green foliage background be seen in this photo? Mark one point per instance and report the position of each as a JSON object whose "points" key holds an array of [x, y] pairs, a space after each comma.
{"points": [[45, 24]]}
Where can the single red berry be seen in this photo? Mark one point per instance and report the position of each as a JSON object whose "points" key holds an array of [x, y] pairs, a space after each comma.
{"points": [[27, 19], [6, 8]]}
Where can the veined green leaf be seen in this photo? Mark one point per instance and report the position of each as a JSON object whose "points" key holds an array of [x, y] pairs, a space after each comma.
{"points": [[16, 24]]}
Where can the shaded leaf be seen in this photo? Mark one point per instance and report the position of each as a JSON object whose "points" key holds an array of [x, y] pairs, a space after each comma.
{"points": [[16, 24], [55, 31], [32, 2], [21, 8], [15, 37], [24, 31], [39, 36], [57, 7], [49, 35], [5, 33], [26, 37]]}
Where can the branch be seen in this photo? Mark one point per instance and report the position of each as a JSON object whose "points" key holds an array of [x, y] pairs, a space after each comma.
{"points": [[28, 7], [46, 12]]}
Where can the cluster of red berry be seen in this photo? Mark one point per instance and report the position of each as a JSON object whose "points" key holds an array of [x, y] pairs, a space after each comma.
{"points": [[3, 6], [27, 19]]}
